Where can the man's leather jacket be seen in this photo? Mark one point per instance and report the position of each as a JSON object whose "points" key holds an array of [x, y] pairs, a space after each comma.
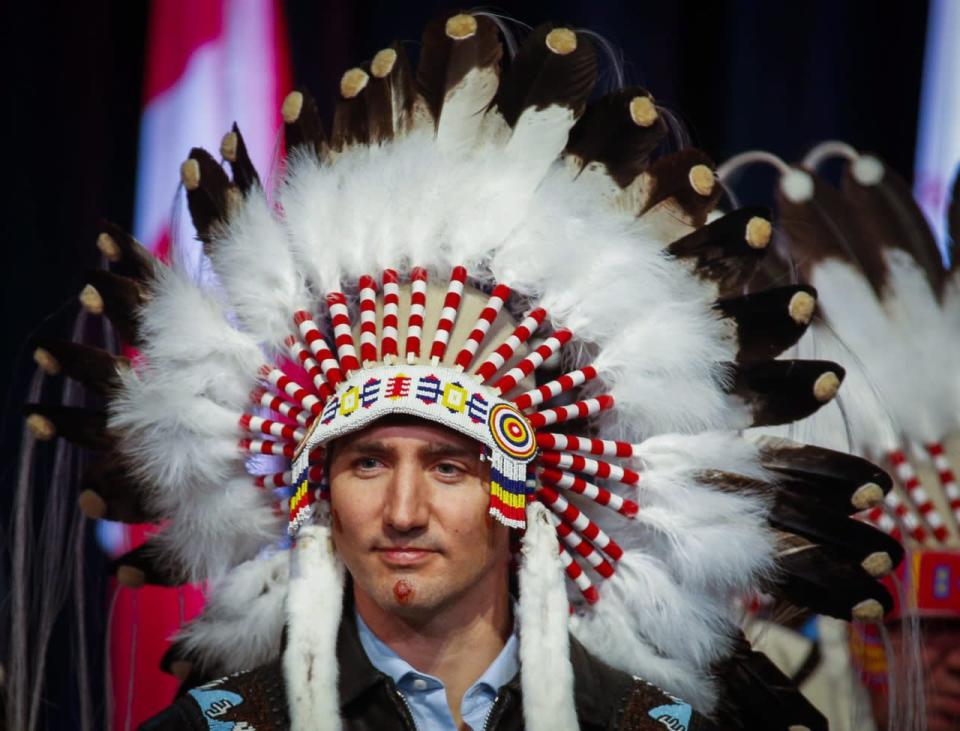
{"points": [[369, 701]]}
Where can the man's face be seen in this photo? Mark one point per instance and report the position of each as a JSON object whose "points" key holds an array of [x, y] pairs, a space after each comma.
{"points": [[940, 656], [409, 501]]}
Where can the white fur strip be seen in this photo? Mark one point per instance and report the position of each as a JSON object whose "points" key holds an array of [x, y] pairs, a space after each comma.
{"points": [[313, 618], [546, 675]]}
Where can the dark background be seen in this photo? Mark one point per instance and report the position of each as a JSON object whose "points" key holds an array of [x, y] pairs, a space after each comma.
{"points": [[741, 74]]}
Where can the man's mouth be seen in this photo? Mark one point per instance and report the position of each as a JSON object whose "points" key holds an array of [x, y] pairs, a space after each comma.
{"points": [[404, 555]]}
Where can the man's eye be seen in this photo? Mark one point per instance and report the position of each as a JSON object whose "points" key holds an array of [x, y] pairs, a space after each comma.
{"points": [[367, 463], [448, 469]]}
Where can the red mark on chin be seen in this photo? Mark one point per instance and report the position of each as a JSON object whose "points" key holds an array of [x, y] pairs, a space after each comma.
{"points": [[403, 592]]}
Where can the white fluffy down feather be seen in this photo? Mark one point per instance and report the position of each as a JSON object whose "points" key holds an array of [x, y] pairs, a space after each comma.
{"points": [[666, 615], [242, 622]]}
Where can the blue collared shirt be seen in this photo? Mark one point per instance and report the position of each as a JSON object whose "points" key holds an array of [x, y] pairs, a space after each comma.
{"points": [[426, 696]]}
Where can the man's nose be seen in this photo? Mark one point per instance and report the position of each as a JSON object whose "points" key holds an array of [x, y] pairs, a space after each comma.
{"points": [[407, 507]]}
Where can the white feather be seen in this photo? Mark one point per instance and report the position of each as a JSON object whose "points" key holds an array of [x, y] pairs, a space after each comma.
{"points": [[262, 280], [242, 622], [462, 112], [666, 615]]}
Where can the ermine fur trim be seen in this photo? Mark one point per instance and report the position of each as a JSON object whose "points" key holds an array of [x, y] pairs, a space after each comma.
{"points": [[546, 675], [314, 605]]}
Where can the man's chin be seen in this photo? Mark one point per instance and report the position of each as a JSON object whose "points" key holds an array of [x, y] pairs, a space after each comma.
{"points": [[408, 594]]}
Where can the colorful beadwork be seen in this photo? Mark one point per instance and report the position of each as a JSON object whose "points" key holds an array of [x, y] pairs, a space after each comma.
{"points": [[339, 391]]}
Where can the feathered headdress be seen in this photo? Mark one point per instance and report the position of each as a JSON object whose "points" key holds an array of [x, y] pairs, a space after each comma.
{"points": [[889, 301], [480, 245]]}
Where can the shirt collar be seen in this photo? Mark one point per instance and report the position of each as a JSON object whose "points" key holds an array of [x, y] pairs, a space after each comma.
{"points": [[588, 687], [500, 672]]}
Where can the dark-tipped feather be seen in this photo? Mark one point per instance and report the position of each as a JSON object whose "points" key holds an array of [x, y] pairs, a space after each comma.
{"points": [[95, 368], [826, 480], [610, 134], [146, 565], [445, 61], [756, 695], [188, 667], [685, 182], [721, 252], [82, 426], [383, 122], [782, 391], [825, 582], [235, 152], [382, 108], [109, 491], [120, 298], [816, 464], [207, 196], [127, 256], [401, 91], [770, 321], [824, 226], [539, 78], [302, 125], [891, 218], [796, 514], [351, 121]]}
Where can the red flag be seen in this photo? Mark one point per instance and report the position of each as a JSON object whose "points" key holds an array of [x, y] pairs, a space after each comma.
{"points": [[209, 63]]}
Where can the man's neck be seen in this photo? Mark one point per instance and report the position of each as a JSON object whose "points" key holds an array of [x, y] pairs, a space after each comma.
{"points": [[455, 644]]}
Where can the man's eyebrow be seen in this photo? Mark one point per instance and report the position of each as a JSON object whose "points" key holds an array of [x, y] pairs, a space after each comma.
{"points": [[369, 446], [451, 450], [376, 446]]}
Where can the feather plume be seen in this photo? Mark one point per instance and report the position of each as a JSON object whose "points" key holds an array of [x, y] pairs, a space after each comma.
{"points": [[393, 93], [94, 367], [770, 321], [843, 482], [119, 298], [757, 695], [302, 126], [682, 528], [615, 137], [458, 75], [820, 224], [127, 256], [825, 582], [850, 537], [241, 625], [146, 565], [726, 252], [208, 194], [351, 116], [543, 94], [884, 207], [234, 151], [109, 492], [82, 426], [782, 391], [680, 190]]}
